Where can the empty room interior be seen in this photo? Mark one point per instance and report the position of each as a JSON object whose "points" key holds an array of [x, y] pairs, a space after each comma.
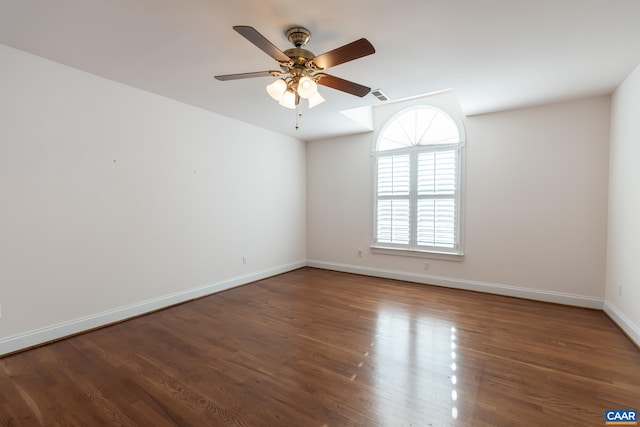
{"points": [[429, 217]]}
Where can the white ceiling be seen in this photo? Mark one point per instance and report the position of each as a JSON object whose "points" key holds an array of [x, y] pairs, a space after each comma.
{"points": [[494, 54]]}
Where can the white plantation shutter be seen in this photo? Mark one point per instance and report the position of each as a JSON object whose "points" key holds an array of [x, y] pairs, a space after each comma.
{"points": [[393, 219], [436, 223], [417, 182], [437, 172], [393, 176], [436, 204]]}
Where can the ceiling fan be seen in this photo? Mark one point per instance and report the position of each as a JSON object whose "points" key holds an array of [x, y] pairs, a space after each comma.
{"points": [[300, 70]]}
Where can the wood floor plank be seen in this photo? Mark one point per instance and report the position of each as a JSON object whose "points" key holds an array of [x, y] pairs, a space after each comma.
{"points": [[321, 348]]}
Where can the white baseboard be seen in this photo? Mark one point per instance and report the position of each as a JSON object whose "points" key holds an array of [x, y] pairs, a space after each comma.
{"points": [[54, 332], [61, 330], [469, 285], [632, 331]]}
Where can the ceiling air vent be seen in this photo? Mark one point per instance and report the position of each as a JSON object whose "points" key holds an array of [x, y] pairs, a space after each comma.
{"points": [[378, 94]]}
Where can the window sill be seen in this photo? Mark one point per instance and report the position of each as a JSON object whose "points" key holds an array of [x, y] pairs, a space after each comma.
{"points": [[417, 254]]}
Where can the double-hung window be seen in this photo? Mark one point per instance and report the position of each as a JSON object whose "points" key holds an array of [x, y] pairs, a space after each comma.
{"points": [[418, 169]]}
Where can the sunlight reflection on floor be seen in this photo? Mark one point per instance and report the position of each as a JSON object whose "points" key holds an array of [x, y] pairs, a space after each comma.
{"points": [[415, 359]]}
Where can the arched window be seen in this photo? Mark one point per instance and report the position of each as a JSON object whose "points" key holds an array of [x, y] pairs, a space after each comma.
{"points": [[418, 168]]}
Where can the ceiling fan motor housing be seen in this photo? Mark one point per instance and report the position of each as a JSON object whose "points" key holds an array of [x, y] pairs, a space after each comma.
{"points": [[299, 56], [299, 36]]}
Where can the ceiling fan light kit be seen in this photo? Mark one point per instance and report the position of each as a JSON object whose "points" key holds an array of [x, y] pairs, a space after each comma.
{"points": [[276, 89], [316, 100], [300, 70], [289, 100], [307, 87]]}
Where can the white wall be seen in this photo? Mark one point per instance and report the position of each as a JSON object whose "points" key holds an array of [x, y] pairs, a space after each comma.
{"points": [[536, 205], [623, 246], [115, 201]]}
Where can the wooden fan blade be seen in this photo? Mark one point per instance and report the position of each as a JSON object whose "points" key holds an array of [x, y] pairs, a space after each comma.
{"points": [[226, 77], [343, 85], [346, 53], [261, 42]]}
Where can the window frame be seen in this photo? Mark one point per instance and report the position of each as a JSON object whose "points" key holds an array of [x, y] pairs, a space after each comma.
{"points": [[412, 248]]}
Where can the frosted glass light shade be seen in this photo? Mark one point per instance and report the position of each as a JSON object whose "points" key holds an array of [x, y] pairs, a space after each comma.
{"points": [[315, 100], [276, 89], [307, 87], [288, 100]]}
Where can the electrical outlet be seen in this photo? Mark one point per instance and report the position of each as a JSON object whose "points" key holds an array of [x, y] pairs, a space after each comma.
{"points": [[619, 289], [359, 254], [244, 259], [427, 266]]}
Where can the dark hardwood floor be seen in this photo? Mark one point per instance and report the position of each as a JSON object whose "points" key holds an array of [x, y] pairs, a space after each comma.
{"points": [[321, 348]]}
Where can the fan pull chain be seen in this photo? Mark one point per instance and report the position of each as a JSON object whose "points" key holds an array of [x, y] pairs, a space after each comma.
{"points": [[298, 117]]}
